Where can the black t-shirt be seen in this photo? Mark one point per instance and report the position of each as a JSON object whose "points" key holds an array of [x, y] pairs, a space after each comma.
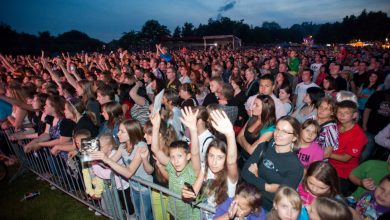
{"points": [[341, 84], [174, 85], [49, 120], [379, 103], [66, 127], [239, 100], [86, 123], [252, 89], [38, 125], [359, 79], [210, 99], [279, 168]]}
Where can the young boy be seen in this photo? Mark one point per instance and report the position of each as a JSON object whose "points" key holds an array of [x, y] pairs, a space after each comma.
{"points": [[178, 165], [351, 143], [376, 203], [216, 84]]}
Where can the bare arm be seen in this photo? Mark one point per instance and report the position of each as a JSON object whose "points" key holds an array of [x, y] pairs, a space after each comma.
{"points": [[189, 120], [127, 172], [31, 65], [145, 161], [6, 63], [17, 102], [160, 155], [341, 157], [52, 143], [136, 98], [17, 121], [67, 147], [366, 115], [263, 138], [53, 75], [72, 81]]}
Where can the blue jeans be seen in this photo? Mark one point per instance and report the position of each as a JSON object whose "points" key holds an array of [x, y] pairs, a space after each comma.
{"points": [[142, 203]]}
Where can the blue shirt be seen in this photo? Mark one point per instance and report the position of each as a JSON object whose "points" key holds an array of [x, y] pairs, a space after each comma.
{"points": [[5, 109]]}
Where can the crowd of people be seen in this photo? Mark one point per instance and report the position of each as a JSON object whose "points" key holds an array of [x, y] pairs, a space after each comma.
{"points": [[266, 133]]}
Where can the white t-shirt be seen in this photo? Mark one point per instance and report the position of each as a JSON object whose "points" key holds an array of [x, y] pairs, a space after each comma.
{"points": [[231, 188], [204, 140], [316, 69], [300, 92], [140, 170], [184, 79]]}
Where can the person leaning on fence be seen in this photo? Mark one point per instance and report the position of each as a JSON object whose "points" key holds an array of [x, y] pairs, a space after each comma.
{"points": [[58, 132], [93, 188], [130, 134], [217, 180], [109, 147], [178, 165]]}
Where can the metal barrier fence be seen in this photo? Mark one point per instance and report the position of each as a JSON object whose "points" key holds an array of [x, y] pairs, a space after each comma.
{"points": [[116, 197]]}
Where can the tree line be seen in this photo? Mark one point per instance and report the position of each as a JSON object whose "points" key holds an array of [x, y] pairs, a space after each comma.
{"points": [[368, 26]]}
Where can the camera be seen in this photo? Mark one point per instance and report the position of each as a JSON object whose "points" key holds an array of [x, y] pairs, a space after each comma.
{"points": [[88, 146]]}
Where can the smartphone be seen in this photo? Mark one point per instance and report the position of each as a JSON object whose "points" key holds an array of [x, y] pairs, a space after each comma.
{"points": [[189, 186]]}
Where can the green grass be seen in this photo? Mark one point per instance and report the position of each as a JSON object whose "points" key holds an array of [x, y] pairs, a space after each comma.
{"points": [[49, 205]]}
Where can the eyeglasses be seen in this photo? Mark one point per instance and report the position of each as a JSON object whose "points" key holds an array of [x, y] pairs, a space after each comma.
{"points": [[282, 132]]}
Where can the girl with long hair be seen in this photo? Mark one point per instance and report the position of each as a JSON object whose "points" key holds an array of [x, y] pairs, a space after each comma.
{"points": [[220, 174], [133, 151], [260, 126]]}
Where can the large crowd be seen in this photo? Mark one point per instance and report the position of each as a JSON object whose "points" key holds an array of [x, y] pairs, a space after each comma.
{"points": [[268, 133]]}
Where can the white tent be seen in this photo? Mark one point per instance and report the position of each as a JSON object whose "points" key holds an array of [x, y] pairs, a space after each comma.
{"points": [[222, 40]]}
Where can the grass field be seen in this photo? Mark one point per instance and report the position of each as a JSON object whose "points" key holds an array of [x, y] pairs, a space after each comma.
{"points": [[49, 205]]}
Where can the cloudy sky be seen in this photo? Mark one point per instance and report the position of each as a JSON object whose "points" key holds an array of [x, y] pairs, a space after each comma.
{"points": [[108, 19]]}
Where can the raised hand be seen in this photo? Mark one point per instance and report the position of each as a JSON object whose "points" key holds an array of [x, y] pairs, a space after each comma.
{"points": [[254, 169], [233, 209], [189, 118], [155, 119], [44, 63], [221, 122], [60, 62]]}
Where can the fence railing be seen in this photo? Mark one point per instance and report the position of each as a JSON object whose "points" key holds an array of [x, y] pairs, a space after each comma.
{"points": [[115, 198]]}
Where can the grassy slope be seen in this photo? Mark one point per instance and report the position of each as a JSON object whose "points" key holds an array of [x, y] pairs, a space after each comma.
{"points": [[49, 205]]}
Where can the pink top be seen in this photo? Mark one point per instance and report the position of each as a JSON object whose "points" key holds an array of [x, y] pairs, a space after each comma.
{"points": [[104, 172], [306, 196], [310, 154]]}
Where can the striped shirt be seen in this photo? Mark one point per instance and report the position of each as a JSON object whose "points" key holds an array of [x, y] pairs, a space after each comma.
{"points": [[329, 135]]}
